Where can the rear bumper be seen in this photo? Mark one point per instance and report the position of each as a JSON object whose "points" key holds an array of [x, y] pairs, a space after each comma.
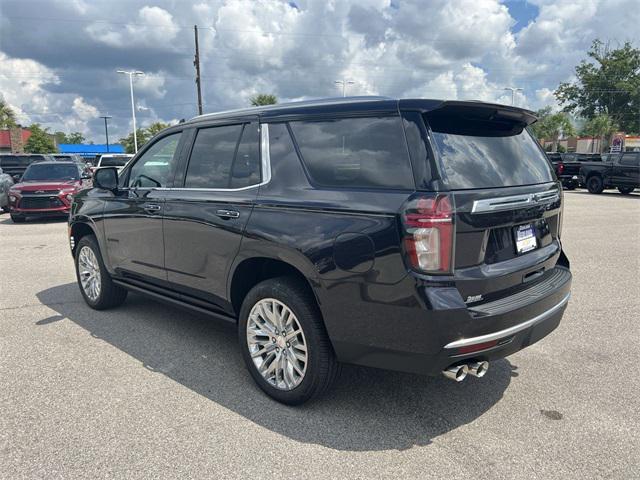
{"points": [[571, 181], [446, 331]]}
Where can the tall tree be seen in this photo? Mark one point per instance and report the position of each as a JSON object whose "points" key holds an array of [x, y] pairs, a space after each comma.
{"points": [[156, 127], [601, 126], [40, 140], [263, 99], [7, 115], [73, 137], [609, 82], [552, 126], [128, 143]]}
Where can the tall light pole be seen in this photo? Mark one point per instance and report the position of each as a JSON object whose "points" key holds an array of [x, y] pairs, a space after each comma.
{"points": [[131, 74], [344, 83], [513, 93], [106, 129]]}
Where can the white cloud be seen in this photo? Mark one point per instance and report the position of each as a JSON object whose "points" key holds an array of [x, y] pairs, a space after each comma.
{"points": [[154, 27], [83, 110]]}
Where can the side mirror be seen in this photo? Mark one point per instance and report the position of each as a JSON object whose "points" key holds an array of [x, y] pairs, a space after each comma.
{"points": [[106, 178], [86, 176], [16, 178]]}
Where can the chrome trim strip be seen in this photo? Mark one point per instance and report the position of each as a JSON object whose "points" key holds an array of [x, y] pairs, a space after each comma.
{"points": [[514, 201], [265, 163], [511, 330]]}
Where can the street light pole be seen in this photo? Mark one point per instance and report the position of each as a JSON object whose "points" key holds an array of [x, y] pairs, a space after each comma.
{"points": [[131, 74], [513, 93], [106, 129], [344, 84]]}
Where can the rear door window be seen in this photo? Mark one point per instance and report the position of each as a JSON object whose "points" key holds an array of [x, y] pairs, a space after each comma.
{"points": [[366, 152], [486, 155], [630, 159]]}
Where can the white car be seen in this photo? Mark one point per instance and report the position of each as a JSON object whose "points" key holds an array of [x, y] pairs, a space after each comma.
{"points": [[114, 160]]}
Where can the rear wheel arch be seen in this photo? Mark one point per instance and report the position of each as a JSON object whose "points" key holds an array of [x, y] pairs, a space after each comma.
{"points": [[251, 271]]}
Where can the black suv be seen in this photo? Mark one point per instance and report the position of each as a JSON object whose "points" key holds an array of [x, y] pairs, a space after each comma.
{"points": [[413, 235]]}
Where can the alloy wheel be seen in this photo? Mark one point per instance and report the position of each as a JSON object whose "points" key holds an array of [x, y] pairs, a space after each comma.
{"points": [[277, 344], [89, 272]]}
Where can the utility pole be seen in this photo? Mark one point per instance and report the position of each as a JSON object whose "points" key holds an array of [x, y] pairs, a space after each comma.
{"points": [[513, 93], [344, 82], [131, 74], [106, 129], [196, 63]]}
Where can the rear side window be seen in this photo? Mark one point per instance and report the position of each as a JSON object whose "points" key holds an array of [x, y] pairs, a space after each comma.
{"points": [[212, 157], [368, 152], [632, 159], [486, 155], [246, 166]]}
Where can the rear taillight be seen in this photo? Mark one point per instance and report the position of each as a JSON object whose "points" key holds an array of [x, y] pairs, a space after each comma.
{"points": [[428, 233], [560, 168]]}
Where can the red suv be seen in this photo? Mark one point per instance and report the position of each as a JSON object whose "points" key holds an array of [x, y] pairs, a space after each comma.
{"points": [[46, 188]]}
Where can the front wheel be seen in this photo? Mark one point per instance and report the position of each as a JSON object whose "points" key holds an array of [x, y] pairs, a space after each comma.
{"points": [[95, 283], [595, 185], [284, 343], [626, 190]]}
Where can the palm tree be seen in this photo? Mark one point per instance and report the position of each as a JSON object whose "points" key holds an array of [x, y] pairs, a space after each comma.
{"points": [[263, 99], [7, 115], [601, 126]]}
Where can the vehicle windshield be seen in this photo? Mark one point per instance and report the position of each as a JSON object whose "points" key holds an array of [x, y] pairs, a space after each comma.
{"points": [[488, 156], [114, 162], [51, 171]]}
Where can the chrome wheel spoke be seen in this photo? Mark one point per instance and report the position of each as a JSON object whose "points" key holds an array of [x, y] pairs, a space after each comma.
{"points": [[89, 273], [277, 344]]}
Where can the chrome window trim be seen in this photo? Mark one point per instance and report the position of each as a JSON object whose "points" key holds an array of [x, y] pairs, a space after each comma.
{"points": [[514, 201], [265, 165], [511, 330]]}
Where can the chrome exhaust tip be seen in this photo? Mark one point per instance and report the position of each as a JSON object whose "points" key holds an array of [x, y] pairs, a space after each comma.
{"points": [[478, 369], [456, 372]]}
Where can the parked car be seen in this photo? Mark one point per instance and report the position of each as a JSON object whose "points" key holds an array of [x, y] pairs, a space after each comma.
{"points": [[113, 160], [567, 166], [6, 181], [412, 235], [77, 159], [15, 164], [46, 188], [621, 171]]}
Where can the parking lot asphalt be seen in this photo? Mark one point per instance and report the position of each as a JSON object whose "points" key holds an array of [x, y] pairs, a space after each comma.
{"points": [[149, 391]]}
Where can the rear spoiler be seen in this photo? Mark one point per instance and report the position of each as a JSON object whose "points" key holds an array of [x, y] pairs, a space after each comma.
{"points": [[471, 108]]}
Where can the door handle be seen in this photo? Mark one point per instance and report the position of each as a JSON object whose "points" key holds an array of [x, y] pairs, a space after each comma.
{"points": [[227, 213], [152, 207]]}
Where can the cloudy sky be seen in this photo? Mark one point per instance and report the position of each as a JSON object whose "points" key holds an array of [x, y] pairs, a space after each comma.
{"points": [[58, 58]]}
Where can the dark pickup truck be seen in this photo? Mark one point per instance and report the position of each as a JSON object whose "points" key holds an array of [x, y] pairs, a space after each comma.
{"points": [[620, 170], [567, 166]]}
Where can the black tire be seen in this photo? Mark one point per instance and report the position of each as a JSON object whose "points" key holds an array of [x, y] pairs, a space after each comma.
{"points": [[570, 187], [322, 366], [626, 190], [110, 294], [594, 184], [17, 218]]}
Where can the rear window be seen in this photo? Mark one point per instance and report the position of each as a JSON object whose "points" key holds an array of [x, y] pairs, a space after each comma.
{"points": [[488, 156], [368, 152], [17, 160], [114, 162]]}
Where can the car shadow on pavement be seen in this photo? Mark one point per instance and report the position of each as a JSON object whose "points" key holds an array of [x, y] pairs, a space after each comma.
{"points": [[367, 410], [7, 220], [606, 194]]}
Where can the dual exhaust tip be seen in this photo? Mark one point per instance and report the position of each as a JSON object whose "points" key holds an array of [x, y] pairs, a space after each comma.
{"points": [[459, 372]]}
